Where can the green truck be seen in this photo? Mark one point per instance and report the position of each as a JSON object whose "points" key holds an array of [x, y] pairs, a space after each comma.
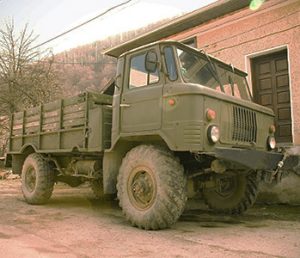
{"points": [[176, 123]]}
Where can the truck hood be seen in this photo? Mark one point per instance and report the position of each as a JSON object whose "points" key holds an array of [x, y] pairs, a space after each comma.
{"points": [[176, 89]]}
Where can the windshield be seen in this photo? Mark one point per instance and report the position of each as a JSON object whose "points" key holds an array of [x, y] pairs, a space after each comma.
{"points": [[200, 69]]}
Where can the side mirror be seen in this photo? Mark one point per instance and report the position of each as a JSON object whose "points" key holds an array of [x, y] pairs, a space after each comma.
{"points": [[151, 62]]}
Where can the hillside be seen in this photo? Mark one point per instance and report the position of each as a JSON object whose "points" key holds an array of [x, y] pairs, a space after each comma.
{"points": [[86, 68]]}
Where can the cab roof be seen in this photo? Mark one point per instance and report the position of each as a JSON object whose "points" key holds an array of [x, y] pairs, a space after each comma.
{"points": [[181, 45]]}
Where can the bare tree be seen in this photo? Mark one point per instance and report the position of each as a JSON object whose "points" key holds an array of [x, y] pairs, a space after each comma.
{"points": [[26, 74]]}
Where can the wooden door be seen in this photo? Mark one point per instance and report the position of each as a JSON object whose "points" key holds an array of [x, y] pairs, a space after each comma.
{"points": [[270, 76]]}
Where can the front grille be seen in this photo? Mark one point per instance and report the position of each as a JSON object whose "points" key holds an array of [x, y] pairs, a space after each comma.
{"points": [[244, 125]]}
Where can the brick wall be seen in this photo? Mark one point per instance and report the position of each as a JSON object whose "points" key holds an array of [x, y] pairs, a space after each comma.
{"points": [[237, 37]]}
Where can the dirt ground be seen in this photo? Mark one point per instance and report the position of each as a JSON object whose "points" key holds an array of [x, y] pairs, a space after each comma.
{"points": [[74, 224]]}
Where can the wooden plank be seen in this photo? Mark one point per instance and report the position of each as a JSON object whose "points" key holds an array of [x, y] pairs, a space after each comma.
{"points": [[31, 130], [74, 115], [16, 132], [32, 124], [17, 127], [74, 123], [32, 118], [50, 127], [73, 108], [54, 113], [50, 120]]}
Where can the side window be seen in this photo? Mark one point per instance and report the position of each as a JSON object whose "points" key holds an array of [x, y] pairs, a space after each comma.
{"points": [[139, 76], [170, 62], [192, 42]]}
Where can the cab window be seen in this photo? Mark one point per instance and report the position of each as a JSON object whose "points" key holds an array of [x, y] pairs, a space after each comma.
{"points": [[170, 63], [139, 76]]}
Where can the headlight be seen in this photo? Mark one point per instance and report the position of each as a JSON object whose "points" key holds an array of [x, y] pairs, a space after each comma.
{"points": [[271, 142], [213, 134]]}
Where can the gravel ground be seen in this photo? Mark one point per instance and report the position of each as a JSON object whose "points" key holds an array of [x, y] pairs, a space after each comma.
{"points": [[74, 224]]}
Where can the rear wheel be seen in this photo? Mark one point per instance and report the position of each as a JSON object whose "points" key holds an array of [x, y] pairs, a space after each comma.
{"points": [[151, 187], [97, 188], [233, 194], [37, 179]]}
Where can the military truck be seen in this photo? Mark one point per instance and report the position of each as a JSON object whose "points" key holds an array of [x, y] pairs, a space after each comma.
{"points": [[177, 123]]}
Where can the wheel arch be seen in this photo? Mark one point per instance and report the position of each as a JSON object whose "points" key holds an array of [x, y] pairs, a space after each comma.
{"points": [[112, 160], [113, 157], [19, 159]]}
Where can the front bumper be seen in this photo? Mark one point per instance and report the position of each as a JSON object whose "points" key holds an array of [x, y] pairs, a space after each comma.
{"points": [[258, 160]]}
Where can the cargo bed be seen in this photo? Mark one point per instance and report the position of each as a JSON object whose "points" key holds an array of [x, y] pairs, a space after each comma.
{"points": [[81, 123]]}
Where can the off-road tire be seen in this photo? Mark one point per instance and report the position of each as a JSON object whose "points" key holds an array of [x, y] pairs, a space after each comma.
{"points": [[155, 168], [98, 191], [97, 188], [242, 196], [37, 179]]}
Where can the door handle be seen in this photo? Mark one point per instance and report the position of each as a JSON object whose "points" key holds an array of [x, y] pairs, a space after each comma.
{"points": [[124, 105]]}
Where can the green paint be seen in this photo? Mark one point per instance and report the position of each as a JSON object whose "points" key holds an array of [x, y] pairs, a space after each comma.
{"points": [[256, 4]]}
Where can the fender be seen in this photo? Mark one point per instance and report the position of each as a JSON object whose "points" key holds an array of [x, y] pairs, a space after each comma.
{"points": [[113, 157], [111, 163], [18, 159]]}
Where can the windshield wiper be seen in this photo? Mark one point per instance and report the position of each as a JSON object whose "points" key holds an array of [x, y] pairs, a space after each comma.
{"points": [[231, 84], [213, 69]]}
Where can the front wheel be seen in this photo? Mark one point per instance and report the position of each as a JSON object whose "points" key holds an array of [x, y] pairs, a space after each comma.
{"points": [[233, 194], [151, 187], [37, 179]]}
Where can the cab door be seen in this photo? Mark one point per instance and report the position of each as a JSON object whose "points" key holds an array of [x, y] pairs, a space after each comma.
{"points": [[141, 101]]}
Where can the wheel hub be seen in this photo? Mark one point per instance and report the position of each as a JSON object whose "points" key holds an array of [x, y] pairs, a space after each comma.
{"points": [[226, 186], [141, 188]]}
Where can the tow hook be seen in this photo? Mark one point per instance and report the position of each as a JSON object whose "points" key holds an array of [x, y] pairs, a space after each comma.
{"points": [[277, 174]]}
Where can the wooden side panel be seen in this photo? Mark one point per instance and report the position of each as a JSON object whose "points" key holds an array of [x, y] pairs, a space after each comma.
{"points": [[63, 125]]}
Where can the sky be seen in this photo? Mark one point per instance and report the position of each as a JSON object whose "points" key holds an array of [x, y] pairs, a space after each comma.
{"points": [[49, 18]]}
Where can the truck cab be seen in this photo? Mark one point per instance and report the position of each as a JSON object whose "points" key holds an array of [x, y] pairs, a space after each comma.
{"points": [[188, 100]]}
